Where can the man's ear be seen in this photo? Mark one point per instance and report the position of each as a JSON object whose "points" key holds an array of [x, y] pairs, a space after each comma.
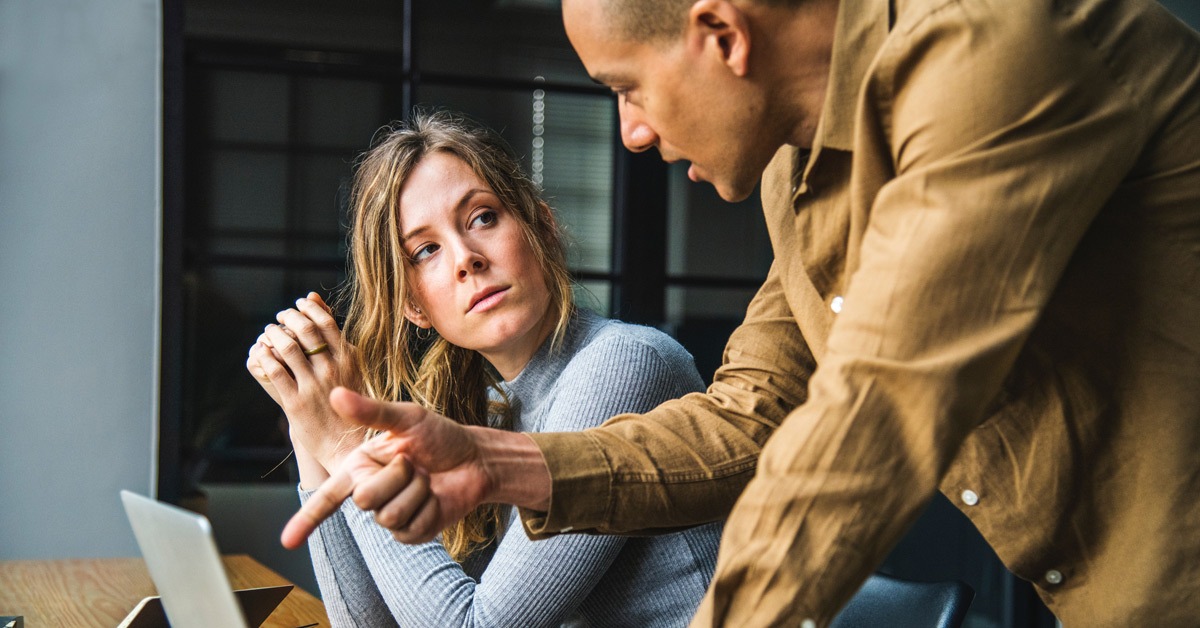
{"points": [[416, 316], [721, 28]]}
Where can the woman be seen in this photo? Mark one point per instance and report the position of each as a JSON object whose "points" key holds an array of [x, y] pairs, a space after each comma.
{"points": [[461, 301]]}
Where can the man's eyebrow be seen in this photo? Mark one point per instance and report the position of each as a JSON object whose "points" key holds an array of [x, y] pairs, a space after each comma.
{"points": [[605, 80], [471, 193]]}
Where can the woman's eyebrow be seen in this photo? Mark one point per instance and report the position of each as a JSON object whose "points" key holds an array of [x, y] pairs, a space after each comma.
{"points": [[466, 198], [471, 193], [411, 234]]}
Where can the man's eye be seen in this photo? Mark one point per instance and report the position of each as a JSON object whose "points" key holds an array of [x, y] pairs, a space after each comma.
{"points": [[424, 252], [628, 97]]}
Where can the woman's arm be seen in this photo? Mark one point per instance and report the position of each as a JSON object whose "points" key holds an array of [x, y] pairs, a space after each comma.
{"points": [[299, 381], [298, 362], [347, 590]]}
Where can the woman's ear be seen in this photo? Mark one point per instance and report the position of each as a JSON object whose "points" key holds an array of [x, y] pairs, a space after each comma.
{"points": [[548, 222], [416, 316], [545, 212]]}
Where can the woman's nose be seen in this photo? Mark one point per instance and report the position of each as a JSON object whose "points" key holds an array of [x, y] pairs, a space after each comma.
{"points": [[470, 261]]}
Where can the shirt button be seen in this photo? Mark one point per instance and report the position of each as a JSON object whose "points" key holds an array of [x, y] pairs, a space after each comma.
{"points": [[836, 305], [970, 497], [1054, 576], [808, 623]]}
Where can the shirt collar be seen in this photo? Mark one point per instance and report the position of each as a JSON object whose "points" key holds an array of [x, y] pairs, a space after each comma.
{"points": [[862, 25]]}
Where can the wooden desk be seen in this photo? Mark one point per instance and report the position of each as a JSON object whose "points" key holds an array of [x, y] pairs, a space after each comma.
{"points": [[100, 592]]}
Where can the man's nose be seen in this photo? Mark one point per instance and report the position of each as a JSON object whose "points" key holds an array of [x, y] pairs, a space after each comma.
{"points": [[636, 134]]}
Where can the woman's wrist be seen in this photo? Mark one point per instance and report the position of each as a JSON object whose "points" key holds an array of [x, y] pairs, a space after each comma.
{"points": [[329, 446], [312, 472]]}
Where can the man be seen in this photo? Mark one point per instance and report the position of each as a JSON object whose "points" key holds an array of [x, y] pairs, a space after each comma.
{"points": [[986, 221]]}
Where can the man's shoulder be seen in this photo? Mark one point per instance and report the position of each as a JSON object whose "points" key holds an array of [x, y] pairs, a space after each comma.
{"points": [[909, 13]]}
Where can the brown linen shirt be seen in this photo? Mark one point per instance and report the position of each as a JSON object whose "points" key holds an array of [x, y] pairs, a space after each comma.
{"points": [[987, 280]]}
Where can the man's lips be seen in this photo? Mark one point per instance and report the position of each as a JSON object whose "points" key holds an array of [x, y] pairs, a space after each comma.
{"points": [[693, 172], [486, 298]]}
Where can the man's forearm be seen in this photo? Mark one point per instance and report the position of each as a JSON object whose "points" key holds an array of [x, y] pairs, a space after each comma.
{"points": [[516, 468]]}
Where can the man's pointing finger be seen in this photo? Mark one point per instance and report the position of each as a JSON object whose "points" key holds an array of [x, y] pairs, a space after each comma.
{"points": [[391, 417]]}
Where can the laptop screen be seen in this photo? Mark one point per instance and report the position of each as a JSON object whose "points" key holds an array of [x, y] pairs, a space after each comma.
{"points": [[184, 563]]}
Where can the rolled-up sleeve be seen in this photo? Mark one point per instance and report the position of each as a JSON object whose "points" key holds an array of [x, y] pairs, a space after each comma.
{"points": [[685, 462]]}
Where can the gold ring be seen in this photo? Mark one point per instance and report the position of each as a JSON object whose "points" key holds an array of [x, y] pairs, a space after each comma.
{"points": [[318, 349]]}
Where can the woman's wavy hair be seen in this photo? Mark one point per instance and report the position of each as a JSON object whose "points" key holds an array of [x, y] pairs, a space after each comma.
{"points": [[396, 364]]}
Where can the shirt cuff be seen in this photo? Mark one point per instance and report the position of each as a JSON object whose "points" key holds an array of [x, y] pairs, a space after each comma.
{"points": [[581, 482]]}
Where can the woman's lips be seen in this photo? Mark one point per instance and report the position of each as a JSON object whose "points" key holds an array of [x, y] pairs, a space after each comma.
{"points": [[489, 301]]}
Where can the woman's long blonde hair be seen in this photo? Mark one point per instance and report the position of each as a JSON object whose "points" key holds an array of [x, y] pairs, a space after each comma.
{"points": [[395, 364]]}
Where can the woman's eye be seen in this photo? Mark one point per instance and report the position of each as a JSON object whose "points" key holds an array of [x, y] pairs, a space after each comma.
{"points": [[424, 252], [484, 219]]}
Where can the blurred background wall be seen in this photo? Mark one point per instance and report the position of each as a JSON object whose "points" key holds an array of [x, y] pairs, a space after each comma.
{"points": [[79, 210], [1187, 10]]}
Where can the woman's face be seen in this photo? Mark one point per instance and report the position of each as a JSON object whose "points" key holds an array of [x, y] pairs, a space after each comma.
{"points": [[473, 276]]}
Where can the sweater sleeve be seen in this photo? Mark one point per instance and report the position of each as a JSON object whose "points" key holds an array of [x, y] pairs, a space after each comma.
{"points": [[349, 595], [528, 583]]}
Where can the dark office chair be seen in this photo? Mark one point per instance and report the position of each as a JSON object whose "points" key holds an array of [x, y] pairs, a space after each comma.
{"points": [[894, 603]]}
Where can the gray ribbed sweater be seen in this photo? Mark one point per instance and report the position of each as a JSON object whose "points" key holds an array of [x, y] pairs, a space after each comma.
{"points": [[603, 368]]}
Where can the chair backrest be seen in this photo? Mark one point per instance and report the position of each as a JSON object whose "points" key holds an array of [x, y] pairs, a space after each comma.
{"points": [[895, 603]]}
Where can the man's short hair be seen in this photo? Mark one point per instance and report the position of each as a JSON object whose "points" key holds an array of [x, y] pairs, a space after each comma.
{"points": [[656, 21]]}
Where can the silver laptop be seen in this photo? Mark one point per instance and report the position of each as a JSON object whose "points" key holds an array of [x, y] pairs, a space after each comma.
{"points": [[186, 567]]}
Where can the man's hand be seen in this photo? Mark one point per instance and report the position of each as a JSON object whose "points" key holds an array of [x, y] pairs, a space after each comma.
{"points": [[456, 469]]}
